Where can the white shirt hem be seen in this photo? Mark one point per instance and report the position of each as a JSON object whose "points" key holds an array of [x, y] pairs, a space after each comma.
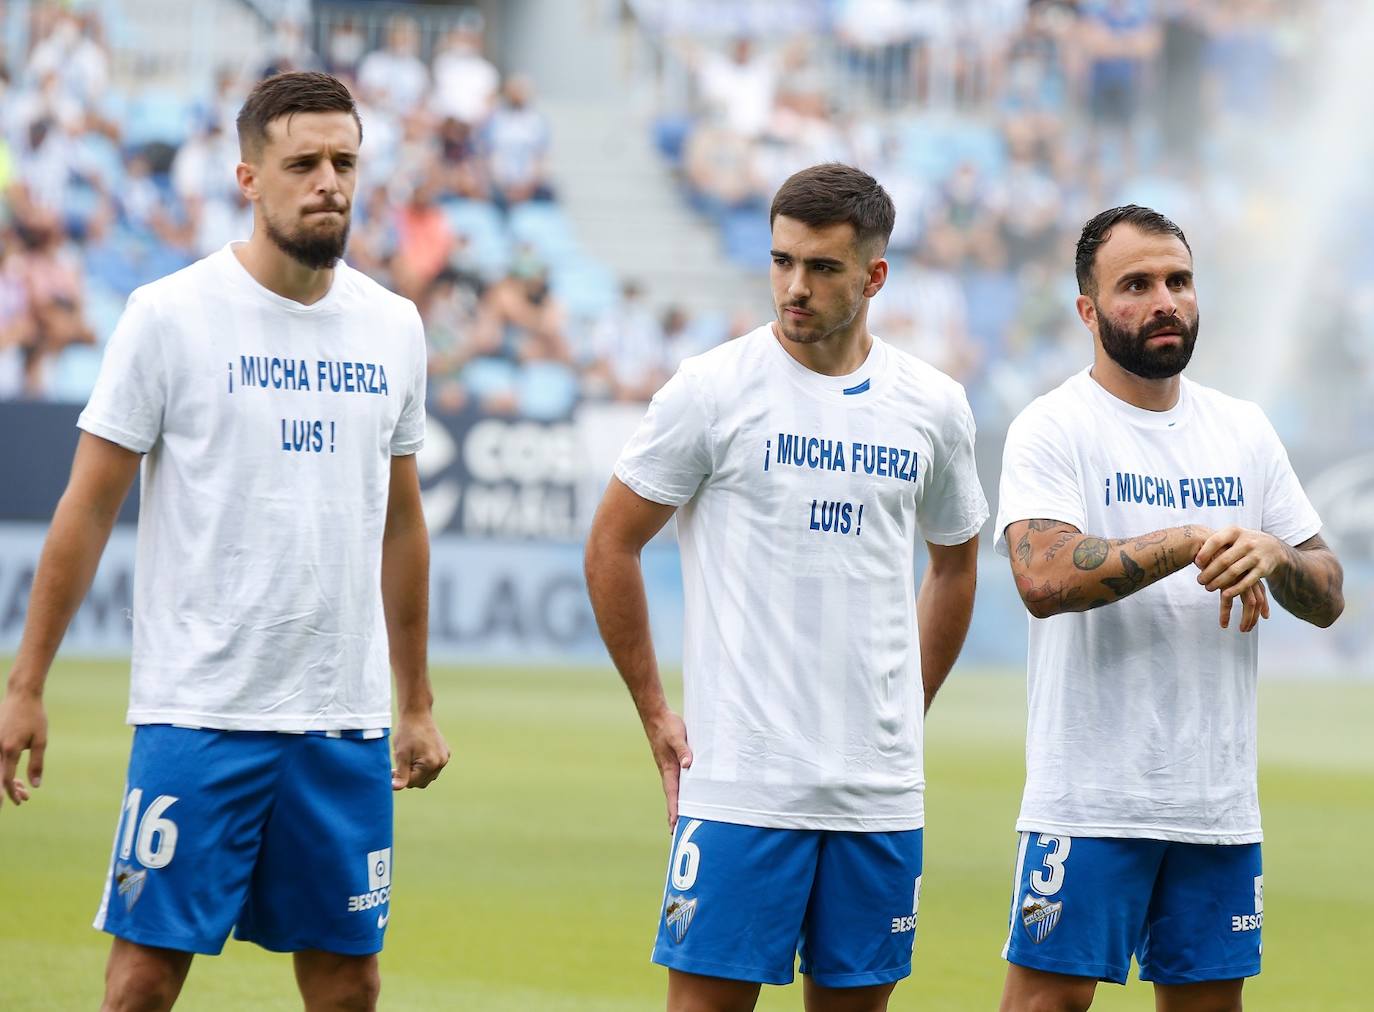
{"points": [[254, 722], [796, 820], [116, 435], [647, 491], [1173, 834]]}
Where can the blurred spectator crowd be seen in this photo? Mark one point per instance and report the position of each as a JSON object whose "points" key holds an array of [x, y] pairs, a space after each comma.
{"points": [[999, 127], [108, 188]]}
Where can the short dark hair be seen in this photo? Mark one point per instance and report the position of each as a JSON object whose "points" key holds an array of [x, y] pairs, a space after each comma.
{"points": [[832, 193], [285, 95], [1099, 229]]}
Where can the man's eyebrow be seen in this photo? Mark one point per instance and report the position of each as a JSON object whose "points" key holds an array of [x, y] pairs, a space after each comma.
{"points": [[1182, 272], [809, 261]]}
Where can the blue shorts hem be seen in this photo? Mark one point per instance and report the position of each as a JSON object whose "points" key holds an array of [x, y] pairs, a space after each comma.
{"points": [[1202, 975], [337, 946], [1098, 971], [706, 968], [867, 978], [179, 943]]}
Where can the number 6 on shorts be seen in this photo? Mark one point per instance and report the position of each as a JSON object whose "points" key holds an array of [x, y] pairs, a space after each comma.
{"points": [[686, 858]]}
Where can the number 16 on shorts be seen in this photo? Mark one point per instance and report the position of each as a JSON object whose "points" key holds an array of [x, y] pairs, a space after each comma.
{"points": [[149, 836]]}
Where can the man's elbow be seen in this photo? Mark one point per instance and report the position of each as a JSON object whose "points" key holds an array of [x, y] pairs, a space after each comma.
{"points": [[1041, 608], [1328, 618]]}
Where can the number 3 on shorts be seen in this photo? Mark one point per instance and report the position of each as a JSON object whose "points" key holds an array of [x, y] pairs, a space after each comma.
{"points": [[687, 858], [152, 828], [1054, 861]]}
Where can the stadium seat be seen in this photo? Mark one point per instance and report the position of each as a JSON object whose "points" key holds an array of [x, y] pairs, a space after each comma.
{"points": [[543, 226], [481, 223], [747, 237], [586, 288]]}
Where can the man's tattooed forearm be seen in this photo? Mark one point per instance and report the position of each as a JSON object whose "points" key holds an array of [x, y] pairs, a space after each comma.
{"points": [[1048, 598], [1308, 595], [1165, 563], [1023, 549], [1057, 544], [1090, 553], [1131, 580]]}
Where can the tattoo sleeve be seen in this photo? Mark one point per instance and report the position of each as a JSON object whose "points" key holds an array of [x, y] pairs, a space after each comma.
{"points": [[1095, 571], [1310, 582]]}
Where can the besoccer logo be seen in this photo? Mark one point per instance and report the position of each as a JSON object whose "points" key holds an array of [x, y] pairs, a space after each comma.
{"points": [[1040, 916], [679, 914], [379, 868], [378, 882], [1255, 921], [130, 883]]}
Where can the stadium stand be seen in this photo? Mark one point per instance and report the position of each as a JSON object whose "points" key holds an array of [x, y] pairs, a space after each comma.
{"points": [[998, 126]]}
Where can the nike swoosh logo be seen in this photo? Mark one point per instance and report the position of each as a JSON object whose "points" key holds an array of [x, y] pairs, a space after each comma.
{"points": [[383, 918]]}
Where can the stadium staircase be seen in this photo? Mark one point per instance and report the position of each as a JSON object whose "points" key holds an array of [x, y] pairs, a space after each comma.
{"points": [[620, 196], [175, 47]]}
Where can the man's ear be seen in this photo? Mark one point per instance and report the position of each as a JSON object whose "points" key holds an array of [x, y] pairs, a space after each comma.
{"points": [[1087, 312], [247, 176], [877, 277]]}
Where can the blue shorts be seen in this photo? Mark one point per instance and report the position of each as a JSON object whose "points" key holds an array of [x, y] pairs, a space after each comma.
{"points": [[1190, 912], [743, 901], [285, 838]]}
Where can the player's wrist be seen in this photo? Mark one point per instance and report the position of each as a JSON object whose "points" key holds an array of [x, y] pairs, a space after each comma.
{"points": [[24, 685], [417, 704], [654, 713]]}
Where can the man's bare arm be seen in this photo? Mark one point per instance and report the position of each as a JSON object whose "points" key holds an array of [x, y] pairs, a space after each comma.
{"points": [[102, 474], [624, 524], [944, 607], [421, 752], [1060, 569], [1307, 579]]}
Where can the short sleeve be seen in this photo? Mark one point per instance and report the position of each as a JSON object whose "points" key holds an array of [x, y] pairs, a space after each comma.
{"points": [[1287, 514], [130, 394], [669, 455], [1039, 478], [409, 434], [953, 508]]}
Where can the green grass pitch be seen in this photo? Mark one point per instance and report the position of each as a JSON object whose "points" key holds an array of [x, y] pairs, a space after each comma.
{"points": [[529, 877]]}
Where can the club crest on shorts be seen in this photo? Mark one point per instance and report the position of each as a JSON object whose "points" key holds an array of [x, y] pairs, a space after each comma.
{"points": [[130, 883], [1040, 916], [678, 914]]}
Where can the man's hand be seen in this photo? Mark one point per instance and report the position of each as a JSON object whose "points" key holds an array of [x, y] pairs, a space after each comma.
{"points": [[23, 726], [668, 741], [420, 750], [1234, 559], [1255, 606]]}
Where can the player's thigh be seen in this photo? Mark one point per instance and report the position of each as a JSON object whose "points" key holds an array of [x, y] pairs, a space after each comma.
{"points": [[1027, 990], [693, 992], [734, 900], [323, 878], [1206, 917], [861, 922], [143, 977], [819, 998], [330, 981], [189, 830], [1211, 996], [1079, 903]]}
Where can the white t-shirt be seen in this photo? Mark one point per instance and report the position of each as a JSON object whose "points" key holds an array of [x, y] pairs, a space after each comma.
{"points": [[1142, 712], [268, 429], [800, 507]]}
